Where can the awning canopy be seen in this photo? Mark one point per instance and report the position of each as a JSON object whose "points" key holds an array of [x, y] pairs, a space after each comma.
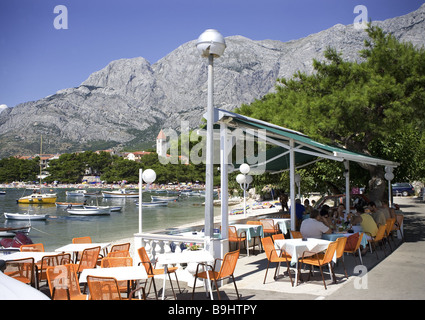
{"points": [[306, 150]]}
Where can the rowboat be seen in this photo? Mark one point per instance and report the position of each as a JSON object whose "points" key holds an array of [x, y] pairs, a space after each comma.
{"points": [[25, 216], [160, 198], [11, 232], [154, 204], [122, 193], [79, 192], [110, 208], [88, 212], [69, 204]]}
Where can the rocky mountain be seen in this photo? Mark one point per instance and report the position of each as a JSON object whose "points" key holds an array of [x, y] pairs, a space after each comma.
{"points": [[130, 100]]}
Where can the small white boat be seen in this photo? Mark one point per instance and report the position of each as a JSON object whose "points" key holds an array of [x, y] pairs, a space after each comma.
{"points": [[69, 204], [79, 192], [110, 208], [154, 204], [88, 212], [25, 216], [160, 198], [2, 192], [122, 193]]}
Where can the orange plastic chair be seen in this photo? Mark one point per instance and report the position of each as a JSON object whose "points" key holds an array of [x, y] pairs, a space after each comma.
{"points": [[63, 283], [272, 256], [22, 270], [269, 226], [319, 260], [34, 247], [356, 248], [88, 259], [152, 271], [278, 236], [398, 223], [107, 288], [380, 235], [227, 269], [388, 232], [81, 240], [340, 252], [112, 262], [121, 247], [234, 237], [256, 223], [296, 235], [50, 261]]}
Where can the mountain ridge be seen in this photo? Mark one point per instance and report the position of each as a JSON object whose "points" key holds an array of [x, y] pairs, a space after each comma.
{"points": [[127, 102]]}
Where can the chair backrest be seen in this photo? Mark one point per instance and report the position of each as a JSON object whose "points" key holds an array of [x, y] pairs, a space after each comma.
{"points": [[381, 232], [63, 282], [34, 247], [296, 235], [269, 248], [121, 247], [278, 236], [233, 234], [399, 221], [54, 260], [229, 264], [340, 246], [330, 251], [144, 259], [82, 240], [21, 269], [390, 224], [89, 258], [268, 225], [253, 222], [116, 254], [103, 288], [111, 262]]}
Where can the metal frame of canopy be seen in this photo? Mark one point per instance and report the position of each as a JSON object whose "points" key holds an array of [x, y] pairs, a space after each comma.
{"points": [[291, 150]]}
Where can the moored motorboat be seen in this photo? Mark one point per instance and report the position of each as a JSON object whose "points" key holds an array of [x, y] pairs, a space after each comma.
{"points": [[25, 216], [121, 193], [110, 208], [79, 192], [88, 211], [69, 204], [39, 198], [11, 232], [161, 198], [153, 204]]}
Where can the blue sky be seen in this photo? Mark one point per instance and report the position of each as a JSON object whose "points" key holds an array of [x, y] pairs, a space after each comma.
{"points": [[36, 59]]}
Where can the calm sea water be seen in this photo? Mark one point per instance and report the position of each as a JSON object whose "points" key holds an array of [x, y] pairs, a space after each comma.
{"points": [[60, 227]]}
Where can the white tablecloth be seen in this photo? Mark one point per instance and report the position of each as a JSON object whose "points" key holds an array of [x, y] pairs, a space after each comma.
{"points": [[27, 254], [284, 224], [296, 247], [119, 273]]}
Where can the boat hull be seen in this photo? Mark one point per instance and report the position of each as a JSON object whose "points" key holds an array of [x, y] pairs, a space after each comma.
{"points": [[158, 198], [23, 216], [38, 199], [118, 194], [69, 204], [154, 204], [110, 208], [88, 212]]}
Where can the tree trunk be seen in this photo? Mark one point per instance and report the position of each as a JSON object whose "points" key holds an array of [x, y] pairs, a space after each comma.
{"points": [[377, 183]]}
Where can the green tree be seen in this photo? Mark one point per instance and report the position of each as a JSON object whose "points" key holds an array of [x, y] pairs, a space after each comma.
{"points": [[374, 107], [14, 169]]}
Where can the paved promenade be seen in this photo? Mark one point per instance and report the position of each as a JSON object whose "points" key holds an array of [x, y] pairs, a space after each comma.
{"points": [[399, 275]]}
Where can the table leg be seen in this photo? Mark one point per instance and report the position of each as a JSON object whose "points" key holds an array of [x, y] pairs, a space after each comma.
{"points": [[163, 284]]}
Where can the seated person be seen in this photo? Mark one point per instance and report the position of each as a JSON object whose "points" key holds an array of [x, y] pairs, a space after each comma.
{"points": [[377, 215], [314, 226], [366, 222]]}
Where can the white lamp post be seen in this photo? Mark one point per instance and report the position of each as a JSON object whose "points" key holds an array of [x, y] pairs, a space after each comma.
{"points": [[298, 183], [244, 180], [148, 176], [211, 45]]}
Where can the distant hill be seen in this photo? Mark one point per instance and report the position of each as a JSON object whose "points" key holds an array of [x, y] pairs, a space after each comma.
{"points": [[127, 103]]}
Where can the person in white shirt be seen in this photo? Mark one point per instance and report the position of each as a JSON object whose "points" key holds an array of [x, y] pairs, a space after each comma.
{"points": [[315, 226]]}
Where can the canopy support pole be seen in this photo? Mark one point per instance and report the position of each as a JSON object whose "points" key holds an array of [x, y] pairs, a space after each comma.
{"points": [[292, 183]]}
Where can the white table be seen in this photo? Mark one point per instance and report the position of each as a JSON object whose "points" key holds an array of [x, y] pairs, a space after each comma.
{"points": [[119, 273], [186, 256], [251, 230], [79, 247], [296, 247]]}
